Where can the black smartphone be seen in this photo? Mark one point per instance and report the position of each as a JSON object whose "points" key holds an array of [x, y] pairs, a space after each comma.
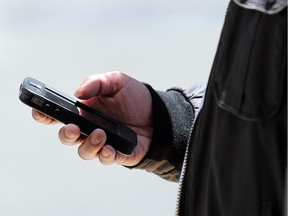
{"points": [[69, 110]]}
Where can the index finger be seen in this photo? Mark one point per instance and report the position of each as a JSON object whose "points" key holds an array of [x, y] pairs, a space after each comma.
{"points": [[42, 118]]}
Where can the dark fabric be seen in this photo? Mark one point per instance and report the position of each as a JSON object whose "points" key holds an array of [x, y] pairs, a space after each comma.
{"points": [[169, 141], [251, 49], [162, 129], [238, 159], [174, 113]]}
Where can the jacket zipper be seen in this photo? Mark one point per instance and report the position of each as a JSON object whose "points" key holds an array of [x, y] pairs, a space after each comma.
{"points": [[181, 180], [185, 161]]}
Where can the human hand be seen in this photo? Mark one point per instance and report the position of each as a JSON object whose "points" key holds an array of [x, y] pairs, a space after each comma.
{"points": [[123, 99]]}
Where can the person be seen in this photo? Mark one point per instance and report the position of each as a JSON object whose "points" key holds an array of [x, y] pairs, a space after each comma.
{"points": [[225, 143]]}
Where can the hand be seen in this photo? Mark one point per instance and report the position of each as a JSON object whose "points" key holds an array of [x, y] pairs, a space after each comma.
{"points": [[120, 97]]}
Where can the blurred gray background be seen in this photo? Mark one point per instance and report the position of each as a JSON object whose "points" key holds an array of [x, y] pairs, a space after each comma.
{"points": [[162, 42]]}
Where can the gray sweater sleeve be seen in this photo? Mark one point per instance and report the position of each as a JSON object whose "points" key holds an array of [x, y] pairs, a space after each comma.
{"points": [[174, 114]]}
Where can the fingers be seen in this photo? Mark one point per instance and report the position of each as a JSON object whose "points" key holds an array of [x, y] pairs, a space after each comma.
{"points": [[89, 149], [94, 147], [70, 135], [42, 118]]}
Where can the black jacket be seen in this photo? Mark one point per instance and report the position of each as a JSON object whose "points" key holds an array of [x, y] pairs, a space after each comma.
{"points": [[231, 146]]}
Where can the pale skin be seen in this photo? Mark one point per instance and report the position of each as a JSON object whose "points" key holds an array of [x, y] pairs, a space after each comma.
{"points": [[120, 97]]}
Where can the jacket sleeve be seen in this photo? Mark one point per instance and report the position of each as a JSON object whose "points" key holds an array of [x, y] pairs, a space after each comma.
{"points": [[174, 114]]}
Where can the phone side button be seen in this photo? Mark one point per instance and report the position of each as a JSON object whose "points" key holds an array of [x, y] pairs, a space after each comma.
{"points": [[56, 111], [47, 106]]}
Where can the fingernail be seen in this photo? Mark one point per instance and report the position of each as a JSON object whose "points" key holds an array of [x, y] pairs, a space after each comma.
{"points": [[96, 137], [69, 134], [36, 115], [94, 140], [77, 92], [105, 152]]}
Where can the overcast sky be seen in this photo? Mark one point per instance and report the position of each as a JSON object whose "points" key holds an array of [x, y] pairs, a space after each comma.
{"points": [[165, 43]]}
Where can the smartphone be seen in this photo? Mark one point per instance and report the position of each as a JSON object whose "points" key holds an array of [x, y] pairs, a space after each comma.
{"points": [[67, 110]]}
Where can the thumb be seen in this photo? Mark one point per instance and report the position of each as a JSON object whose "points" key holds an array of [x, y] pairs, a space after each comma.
{"points": [[107, 84]]}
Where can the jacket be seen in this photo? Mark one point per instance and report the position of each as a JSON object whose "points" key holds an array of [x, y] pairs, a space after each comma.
{"points": [[226, 143]]}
